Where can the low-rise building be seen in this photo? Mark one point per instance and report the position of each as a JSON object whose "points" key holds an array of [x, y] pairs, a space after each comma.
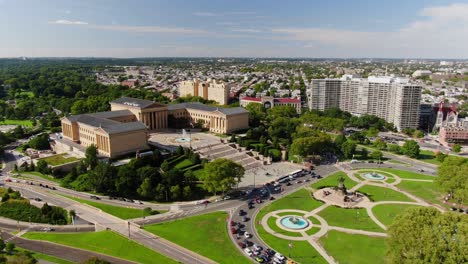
{"points": [[269, 102]]}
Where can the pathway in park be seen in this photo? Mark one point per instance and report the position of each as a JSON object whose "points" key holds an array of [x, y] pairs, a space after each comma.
{"points": [[313, 239]]}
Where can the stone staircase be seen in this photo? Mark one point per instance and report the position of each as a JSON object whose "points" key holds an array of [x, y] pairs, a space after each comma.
{"points": [[220, 150]]}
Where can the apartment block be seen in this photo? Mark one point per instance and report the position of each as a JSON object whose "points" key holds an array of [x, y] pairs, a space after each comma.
{"points": [[209, 90], [394, 99]]}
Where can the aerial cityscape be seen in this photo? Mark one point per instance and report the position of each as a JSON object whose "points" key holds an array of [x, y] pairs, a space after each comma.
{"points": [[230, 132]]}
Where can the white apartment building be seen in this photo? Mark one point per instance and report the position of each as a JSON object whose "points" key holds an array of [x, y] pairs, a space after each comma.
{"points": [[394, 99], [209, 90]]}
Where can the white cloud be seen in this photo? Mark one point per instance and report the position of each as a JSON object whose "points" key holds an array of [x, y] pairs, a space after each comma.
{"points": [[68, 22], [246, 30], [149, 29], [206, 14], [442, 33]]}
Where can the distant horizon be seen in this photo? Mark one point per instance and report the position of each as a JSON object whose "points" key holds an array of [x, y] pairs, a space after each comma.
{"points": [[228, 57], [417, 29]]}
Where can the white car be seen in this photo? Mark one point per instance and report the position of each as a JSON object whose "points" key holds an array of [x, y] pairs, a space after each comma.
{"points": [[247, 235], [279, 256], [248, 252], [257, 247]]}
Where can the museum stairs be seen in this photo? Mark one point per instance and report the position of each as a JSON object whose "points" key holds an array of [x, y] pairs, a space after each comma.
{"points": [[221, 150]]}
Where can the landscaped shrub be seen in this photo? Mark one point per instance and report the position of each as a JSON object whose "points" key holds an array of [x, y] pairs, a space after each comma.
{"points": [[23, 211], [275, 154]]}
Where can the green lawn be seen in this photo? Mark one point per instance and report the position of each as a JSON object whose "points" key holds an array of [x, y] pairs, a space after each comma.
{"points": [[49, 258], [59, 159], [119, 211], [332, 181], [302, 251], [299, 200], [205, 234], [377, 194], [398, 162], [386, 213], [349, 218], [424, 190], [354, 249], [199, 173], [408, 174], [105, 242], [27, 123], [38, 174], [184, 163]]}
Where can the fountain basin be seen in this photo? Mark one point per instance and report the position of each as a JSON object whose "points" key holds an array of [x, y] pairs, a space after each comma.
{"points": [[374, 176], [294, 222], [182, 140]]}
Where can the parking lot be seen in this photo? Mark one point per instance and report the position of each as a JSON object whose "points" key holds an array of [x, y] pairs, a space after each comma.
{"points": [[241, 225]]}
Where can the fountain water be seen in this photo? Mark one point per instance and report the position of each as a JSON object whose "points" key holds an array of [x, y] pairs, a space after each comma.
{"points": [[294, 222], [184, 138]]}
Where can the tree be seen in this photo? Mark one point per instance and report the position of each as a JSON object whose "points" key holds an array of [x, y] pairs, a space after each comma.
{"points": [[42, 166], [10, 247], [394, 148], [380, 144], [348, 149], [411, 149], [165, 165], [257, 114], [339, 140], [424, 235], [146, 189], [372, 132], [311, 145], [102, 177], [453, 178], [40, 142], [418, 134], [376, 154], [456, 148], [91, 158], [221, 175], [440, 156], [364, 153], [180, 150], [2, 244]]}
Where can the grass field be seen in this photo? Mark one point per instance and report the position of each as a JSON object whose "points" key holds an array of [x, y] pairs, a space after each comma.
{"points": [[26, 123], [377, 194], [38, 174], [184, 163], [332, 181], [299, 200], [119, 211], [59, 159], [106, 242], [354, 249], [428, 156], [205, 234], [349, 218], [408, 174], [424, 190], [49, 258], [386, 213], [302, 251]]}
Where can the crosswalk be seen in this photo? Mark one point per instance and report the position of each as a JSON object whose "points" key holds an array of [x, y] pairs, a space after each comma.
{"points": [[22, 232]]}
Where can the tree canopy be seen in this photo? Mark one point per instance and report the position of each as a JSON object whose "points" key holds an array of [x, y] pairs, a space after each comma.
{"points": [[453, 178], [221, 175], [411, 149], [423, 235]]}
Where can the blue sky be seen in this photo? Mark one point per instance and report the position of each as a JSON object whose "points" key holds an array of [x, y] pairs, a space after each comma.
{"points": [[254, 28]]}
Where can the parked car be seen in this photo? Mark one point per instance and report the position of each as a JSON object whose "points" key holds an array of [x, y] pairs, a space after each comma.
{"points": [[247, 235], [279, 256], [233, 230], [248, 252], [241, 212], [241, 244], [257, 247], [259, 260], [245, 219]]}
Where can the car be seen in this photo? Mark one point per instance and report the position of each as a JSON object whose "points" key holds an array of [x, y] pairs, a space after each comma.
{"points": [[37, 199], [265, 257], [370, 161], [250, 206], [47, 229], [240, 225], [307, 180], [53, 188], [241, 212], [279, 256], [241, 244], [277, 189], [272, 198], [298, 182], [259, 260], [256, 253], [245, 219], [257, 247], [232, 223], [277, 261], [270, 252], [233, 230], [47, 186], [247, 235], [288, 184], [248, 251]]}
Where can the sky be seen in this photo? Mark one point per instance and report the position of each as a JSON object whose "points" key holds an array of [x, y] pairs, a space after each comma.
{"points": [[234, 28]]}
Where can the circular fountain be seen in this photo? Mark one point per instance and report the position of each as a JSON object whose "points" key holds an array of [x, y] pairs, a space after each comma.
{"points": [[374, 176], [294, 222], [184, 138]]}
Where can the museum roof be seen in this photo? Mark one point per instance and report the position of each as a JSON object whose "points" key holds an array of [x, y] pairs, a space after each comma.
{"points": [[208, 108], [135, 102]]}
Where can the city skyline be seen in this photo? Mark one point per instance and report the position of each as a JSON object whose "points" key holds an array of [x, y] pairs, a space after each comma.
{"points": [[336, 29]]}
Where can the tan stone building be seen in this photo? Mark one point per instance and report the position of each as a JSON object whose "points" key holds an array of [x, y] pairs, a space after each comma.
{"points": [[124, 129], [209, 90], [114, 133]]}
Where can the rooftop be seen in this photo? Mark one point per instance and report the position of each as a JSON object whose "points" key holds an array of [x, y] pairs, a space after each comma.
{"points": [[208, 108], [135, 102]]}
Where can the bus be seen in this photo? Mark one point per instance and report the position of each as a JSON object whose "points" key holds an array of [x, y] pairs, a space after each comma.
{"points": [[295, 174], [283, 179]]}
